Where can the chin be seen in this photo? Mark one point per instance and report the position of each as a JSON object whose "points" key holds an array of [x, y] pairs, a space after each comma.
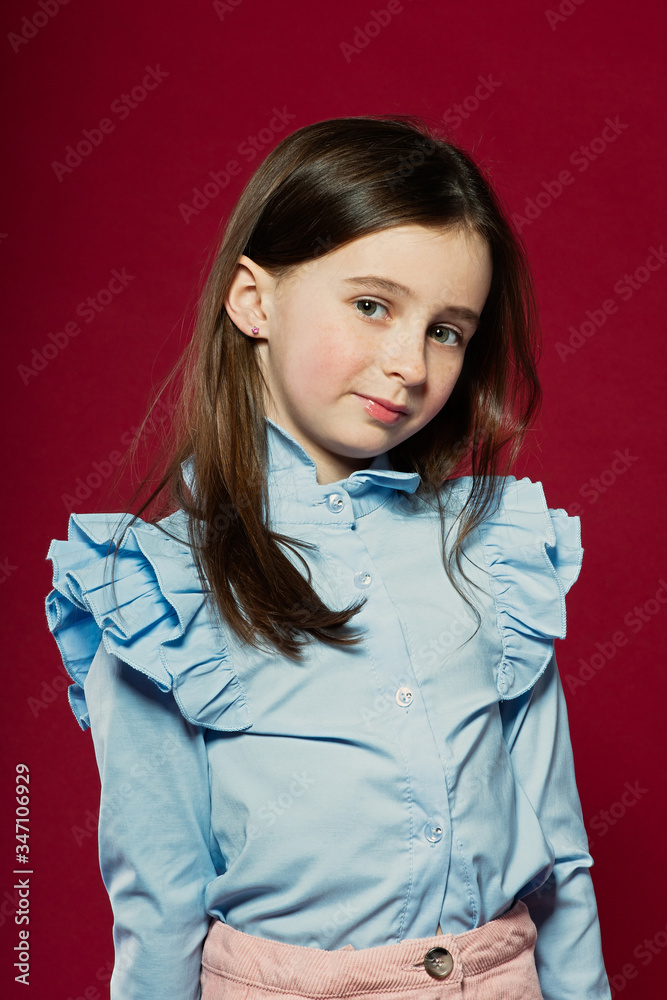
{"points": [[363, 451]]}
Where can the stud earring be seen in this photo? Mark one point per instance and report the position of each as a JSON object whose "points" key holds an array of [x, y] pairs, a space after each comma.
{"points": [[255, 329]]}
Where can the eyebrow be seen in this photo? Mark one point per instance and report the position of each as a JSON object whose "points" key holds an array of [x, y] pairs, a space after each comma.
{"points": [[396, 288]]}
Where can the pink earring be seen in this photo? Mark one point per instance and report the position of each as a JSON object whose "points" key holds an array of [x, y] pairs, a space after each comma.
{"points": [[255, 329]]}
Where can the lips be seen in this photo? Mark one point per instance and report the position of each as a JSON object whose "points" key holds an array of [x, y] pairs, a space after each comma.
{"points": [[388, 405], [383, 410]]}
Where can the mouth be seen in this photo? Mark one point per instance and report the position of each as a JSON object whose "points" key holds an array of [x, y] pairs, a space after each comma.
{"points": [[383, 409]]}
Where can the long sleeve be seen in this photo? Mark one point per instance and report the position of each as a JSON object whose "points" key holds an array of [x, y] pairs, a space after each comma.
{"points": [[154, 826], [568, 951]]}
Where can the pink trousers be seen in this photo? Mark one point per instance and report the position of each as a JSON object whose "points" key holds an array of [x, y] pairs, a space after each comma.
{"points": [[492, 962]]}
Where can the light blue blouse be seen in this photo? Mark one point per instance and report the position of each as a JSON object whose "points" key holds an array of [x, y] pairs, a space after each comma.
{"points": [[364, 795]]}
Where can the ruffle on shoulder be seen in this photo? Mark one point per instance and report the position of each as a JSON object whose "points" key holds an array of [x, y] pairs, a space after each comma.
{"points": [[165, 628], [533, 555]]}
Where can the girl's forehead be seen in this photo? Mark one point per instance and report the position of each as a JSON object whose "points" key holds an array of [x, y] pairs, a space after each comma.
{"points": [[407, 234], [415, 249], [405, 239]]}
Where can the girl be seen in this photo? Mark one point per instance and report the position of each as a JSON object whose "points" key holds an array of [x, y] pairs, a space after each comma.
{"points": [[329, 724]]}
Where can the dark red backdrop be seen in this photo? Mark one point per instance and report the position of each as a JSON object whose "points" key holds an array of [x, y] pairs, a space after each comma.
{"points": [[561, 105]]}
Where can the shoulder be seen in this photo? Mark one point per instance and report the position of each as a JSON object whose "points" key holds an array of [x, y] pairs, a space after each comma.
{"points": [[521, 525], [519, 517], [533, 555], [151, 613]]}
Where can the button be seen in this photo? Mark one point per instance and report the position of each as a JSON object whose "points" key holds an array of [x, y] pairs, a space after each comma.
{"points": [[335, 502], [403, 697], [362, 579], [438, 963], [433, 832]]}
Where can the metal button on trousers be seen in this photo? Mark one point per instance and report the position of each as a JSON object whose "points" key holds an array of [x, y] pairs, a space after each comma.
{"points": [[438, 962]]}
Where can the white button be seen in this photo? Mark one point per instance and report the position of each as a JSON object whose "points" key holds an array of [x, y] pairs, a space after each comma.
{"points": [[404, 696], [433, 831], [362, 579], [335, 502]]}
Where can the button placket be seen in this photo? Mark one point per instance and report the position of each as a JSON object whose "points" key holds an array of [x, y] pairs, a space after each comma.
{"points": [[400, 704], [398, 681]]}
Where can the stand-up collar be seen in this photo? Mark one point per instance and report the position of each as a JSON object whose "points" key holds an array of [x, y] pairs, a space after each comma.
{"points": [[296, 496]]}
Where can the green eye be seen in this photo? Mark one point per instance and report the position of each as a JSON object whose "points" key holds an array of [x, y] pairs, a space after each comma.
{"points": [[448, 331], [373, 306]]}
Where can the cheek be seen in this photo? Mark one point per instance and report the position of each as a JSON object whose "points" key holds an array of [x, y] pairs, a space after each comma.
{"points": [[324, 360], [442, 381]]}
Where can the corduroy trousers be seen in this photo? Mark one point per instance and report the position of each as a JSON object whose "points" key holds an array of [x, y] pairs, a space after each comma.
{"points": [[492, 962]]}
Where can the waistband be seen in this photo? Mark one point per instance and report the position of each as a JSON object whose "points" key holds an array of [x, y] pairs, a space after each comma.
{"points": [[315, 972]]}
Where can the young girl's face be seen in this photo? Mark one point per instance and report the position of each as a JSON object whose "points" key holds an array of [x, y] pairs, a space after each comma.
{"points": [[362, 347]]}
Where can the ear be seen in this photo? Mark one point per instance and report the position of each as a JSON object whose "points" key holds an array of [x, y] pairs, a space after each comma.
{"points": [[248, 298]]}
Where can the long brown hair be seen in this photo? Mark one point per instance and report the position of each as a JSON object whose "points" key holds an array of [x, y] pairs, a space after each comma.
{"points": [[323, 186]]}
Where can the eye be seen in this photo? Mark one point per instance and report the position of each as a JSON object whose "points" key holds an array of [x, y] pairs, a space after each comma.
{"points": [[372, 306], [448, 332]]}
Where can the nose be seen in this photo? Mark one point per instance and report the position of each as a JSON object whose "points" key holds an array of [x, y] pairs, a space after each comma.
{"points": [[404, 356]]}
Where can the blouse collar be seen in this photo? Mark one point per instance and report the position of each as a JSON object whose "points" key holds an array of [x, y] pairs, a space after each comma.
{"points": [[293, 483], [296, 496]]}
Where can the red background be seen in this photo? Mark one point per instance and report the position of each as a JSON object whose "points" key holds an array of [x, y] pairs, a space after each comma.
{"points": [[553, 87]]}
